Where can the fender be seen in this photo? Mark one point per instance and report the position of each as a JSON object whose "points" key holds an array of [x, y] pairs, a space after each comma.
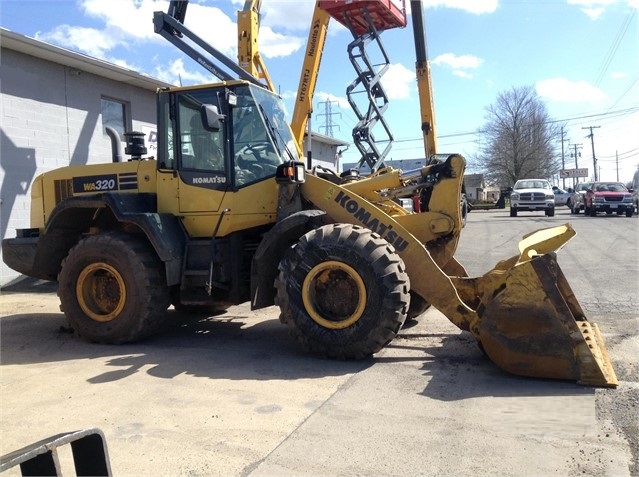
{"points": [[72, 217], [264, 266]]}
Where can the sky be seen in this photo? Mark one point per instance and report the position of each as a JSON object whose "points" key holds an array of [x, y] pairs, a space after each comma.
{"points": [[580, 56]]}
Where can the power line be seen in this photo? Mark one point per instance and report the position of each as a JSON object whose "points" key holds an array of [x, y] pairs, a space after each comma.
{"points": [[623, 155], [613, 48], [632, 83], [617, 113]]}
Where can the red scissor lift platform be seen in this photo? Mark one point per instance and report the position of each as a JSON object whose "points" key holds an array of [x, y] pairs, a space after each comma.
{"points": [[385, 14]]}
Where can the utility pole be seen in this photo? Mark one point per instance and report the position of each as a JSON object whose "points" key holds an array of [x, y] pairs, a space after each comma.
{"points": [[576, 155], [563, 165], [592, 143]]}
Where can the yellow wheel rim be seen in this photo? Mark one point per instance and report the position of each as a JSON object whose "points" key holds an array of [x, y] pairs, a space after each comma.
{"points": [[334, 295], [101, 292]]}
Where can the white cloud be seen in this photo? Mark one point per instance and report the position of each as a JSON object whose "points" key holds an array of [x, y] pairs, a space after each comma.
{"points": [[595, 8], [397, 81], [471, 6], [564, 90], [341, 101], [222, 37], [460, 64], [131, 18], [462, 74], [127, 24], [274, 45], [593, 13], [88, 40], [176, 73], [286, 15]]}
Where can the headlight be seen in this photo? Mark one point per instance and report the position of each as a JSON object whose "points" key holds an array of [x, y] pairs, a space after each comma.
{"points": [[627, 198], [599, 198], [550, 196], [514, 196]]}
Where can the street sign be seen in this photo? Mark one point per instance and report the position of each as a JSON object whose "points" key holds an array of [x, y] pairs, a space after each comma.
{"points": [[565, 173]]}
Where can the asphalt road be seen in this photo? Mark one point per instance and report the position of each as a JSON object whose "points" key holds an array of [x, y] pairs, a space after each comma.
{"points": [[233, 395]]}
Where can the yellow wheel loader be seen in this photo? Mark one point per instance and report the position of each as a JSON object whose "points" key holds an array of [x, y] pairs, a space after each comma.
{"points": [[227, 213]]}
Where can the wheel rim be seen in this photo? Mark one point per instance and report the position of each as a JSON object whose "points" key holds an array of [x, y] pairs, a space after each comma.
{"points": [[101, 292], [334, 295]]}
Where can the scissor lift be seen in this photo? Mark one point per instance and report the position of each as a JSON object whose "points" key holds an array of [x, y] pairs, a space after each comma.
{"points": [[366, 20]]}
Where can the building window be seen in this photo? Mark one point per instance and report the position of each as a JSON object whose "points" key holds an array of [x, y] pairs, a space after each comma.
{"points": [[113, 115]]}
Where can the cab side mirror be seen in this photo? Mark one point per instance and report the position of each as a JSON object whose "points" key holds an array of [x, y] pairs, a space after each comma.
{"points": [[211, 117]]}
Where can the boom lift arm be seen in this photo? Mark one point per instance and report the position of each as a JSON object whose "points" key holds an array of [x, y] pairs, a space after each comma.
{"points": [[365, 20], [424, 85], [308, 76]]}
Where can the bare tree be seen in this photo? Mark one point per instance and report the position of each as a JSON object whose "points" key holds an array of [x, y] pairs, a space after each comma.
{"points": [[519, 139]]}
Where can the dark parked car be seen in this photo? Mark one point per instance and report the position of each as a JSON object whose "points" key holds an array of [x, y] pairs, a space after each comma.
{"points": [[608, 197]]}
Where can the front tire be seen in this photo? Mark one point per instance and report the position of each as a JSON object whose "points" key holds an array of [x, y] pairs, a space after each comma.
{"points": [[343, 292], [113, 289], [513, 212]]}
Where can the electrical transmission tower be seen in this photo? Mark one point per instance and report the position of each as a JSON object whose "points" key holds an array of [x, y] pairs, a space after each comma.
{"points": [[328, 118]]}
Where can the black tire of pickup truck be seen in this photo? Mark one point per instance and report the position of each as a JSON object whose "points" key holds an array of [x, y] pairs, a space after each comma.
{"points": [[112, 288]]}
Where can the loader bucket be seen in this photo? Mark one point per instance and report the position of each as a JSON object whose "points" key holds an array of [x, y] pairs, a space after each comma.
{"points": [[532, 324]]}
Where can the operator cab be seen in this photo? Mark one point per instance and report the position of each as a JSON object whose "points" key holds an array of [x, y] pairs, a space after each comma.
{"points": [[223, 136]]}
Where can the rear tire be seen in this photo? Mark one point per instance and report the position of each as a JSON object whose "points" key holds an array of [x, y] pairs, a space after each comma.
{"points": [[343, 292], [112, 289]]}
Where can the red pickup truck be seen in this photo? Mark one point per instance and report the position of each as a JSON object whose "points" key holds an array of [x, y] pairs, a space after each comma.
{"points": [[608, 197]]}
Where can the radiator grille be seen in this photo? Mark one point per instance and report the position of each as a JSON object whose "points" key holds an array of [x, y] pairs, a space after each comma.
{"points": [[63, 189]]}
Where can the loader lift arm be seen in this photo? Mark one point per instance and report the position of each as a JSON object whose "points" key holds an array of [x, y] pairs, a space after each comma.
{"points": [[523, 313]]}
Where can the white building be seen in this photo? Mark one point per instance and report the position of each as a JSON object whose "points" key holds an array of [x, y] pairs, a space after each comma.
{"points": [[55, 105]]}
